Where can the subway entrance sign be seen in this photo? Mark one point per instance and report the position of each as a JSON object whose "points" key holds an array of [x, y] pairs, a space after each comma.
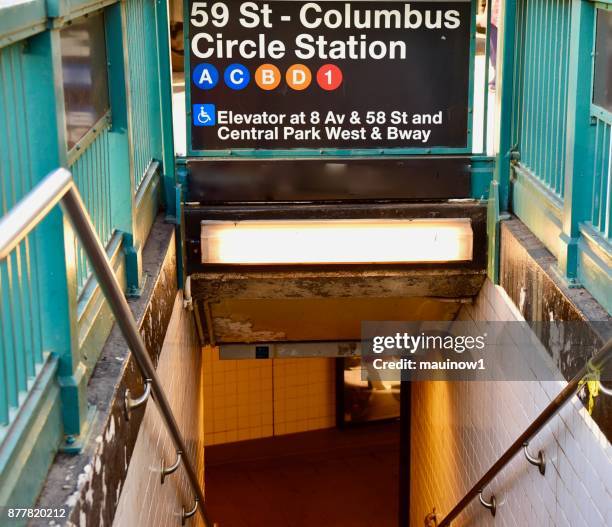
{"points": [[341, 76]]}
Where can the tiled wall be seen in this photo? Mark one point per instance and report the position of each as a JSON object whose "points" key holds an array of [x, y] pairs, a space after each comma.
{"points": [[304, 395], [248, 399], [461, 428], [144, 501], [237, 398]]}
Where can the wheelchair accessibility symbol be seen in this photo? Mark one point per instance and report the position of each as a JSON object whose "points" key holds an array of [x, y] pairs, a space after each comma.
{"points": [[204, 115]]}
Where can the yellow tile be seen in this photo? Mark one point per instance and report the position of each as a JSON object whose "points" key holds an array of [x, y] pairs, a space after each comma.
{"points": [[243, 433], [254, 420]]}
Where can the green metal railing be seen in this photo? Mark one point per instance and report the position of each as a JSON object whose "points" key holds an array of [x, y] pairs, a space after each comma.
{"points": [[92, 174], [145, 114], [540, 89], [591, 370], [20, 328], [59, 188], [51, 324], [602, 189], [560, 142], [21, 350]]}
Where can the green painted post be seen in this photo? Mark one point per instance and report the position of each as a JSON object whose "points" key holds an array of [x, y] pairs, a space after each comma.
{"points": [[153, 122], [482, 174], [493, 244], [121, 185], [505, 85], [580, 138], [56, 268], [499, 191], [165, 92], [472, 68], [182, 174], [124, 173], [133, 266]]}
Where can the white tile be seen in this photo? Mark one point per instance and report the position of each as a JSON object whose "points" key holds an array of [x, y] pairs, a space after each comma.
{"points": [[577, 488]]}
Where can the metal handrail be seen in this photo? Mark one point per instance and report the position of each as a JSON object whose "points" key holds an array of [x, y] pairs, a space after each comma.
{"points": [[592, 368], [59, 187]]}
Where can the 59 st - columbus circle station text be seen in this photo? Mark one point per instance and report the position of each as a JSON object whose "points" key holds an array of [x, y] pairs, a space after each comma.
{"points": [[312, 16]]}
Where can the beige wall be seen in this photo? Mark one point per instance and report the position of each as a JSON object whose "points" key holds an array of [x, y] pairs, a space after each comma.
{"points": [[461, 428], [144, 501], [253, 398]]}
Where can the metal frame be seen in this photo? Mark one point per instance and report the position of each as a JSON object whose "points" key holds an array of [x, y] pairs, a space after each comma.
{"points": [[59, 187], [485, 122], [81, 146], [559, 213], [505, 74], [75, 330], [597, 111], [577, 196], [595, 242], [21, 20], [165, 94], [591, 369]]}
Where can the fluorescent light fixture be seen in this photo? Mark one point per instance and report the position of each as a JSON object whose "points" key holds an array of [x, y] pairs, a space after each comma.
{"points": [[336, 241]]}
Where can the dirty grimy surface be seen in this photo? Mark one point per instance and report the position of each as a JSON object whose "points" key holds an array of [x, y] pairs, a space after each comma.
{"points": [[526, 274], [89, 484]]}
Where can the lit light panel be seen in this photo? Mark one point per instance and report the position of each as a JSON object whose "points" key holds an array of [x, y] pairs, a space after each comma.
{"points": [[336, 241]]}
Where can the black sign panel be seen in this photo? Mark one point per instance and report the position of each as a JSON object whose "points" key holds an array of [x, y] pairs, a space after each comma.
{"points": [[354, 75]]}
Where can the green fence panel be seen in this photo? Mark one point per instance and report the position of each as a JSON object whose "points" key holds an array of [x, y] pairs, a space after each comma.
{"points": [[144, 96], [540, 89], [41, 290], [92, 173], [20, 319], [602, 192]]}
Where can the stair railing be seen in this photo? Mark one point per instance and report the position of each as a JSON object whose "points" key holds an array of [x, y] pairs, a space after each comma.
{"points": [[591, 370], [59, 187]]}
